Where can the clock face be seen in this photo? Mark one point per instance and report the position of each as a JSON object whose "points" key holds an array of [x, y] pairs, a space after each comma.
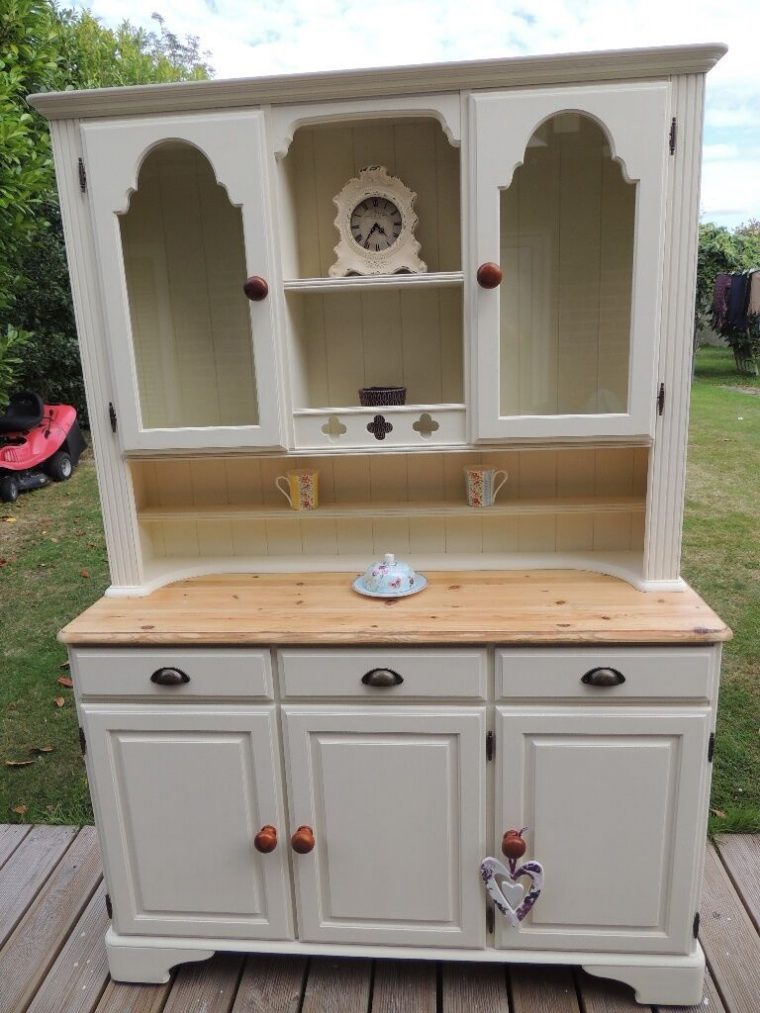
{"points": [[375, 224]]}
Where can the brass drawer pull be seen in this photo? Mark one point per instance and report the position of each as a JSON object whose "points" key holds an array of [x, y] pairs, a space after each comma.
{"points": [[382, 677], [169, 677], [603, 677]]}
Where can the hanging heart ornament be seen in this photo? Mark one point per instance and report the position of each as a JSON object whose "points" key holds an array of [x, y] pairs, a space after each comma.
{"points": [[508, 895]]}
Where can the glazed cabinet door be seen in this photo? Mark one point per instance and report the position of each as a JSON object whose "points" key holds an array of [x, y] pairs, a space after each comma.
{"points": [[567, 198], [181, 219], [395, 803], [614, 802], [180, 795]]}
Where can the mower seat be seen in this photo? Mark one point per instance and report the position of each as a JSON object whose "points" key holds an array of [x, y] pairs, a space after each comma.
{"points": [[24, 412]]}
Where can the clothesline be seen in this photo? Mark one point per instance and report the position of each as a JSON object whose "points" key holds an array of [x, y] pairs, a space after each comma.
{"points": [[736, 301]]}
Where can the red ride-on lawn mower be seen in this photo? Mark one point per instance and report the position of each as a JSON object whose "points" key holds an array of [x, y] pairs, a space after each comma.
{"points": [[37, 442]]}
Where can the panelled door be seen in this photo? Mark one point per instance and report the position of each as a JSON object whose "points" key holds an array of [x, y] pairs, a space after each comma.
{"points": [[395, 801], [610, 799], [568, 208], [180, 795], [181, 219]]}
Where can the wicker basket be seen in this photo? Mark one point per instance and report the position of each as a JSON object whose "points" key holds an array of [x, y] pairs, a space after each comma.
{"points": [[372, 397]]}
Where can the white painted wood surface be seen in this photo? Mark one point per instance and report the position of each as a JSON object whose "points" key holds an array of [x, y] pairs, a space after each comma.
{"points": [[396, 799], [610, 798], [181, 793], [542, 673], [127, 673], [233, 145], [633, 118], [443, 673]]}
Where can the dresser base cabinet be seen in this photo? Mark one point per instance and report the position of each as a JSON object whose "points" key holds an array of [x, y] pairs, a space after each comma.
{"points": [[383, 776]]}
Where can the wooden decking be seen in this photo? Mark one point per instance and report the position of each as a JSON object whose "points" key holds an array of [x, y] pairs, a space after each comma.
{"points": [[53, 918]]}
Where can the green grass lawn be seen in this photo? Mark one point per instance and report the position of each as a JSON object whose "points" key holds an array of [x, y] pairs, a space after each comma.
{"points": [[52, 565]]}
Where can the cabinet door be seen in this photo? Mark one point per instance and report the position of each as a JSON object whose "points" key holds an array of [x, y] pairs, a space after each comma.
{"points": [[568, 200], [179, 796], [181, 219], [614, 802], [396, 803]]}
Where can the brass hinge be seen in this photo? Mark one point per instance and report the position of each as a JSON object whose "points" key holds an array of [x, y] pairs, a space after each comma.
{"points": [[112, 416], [711, 747], [672, 137], [489, 919], [695, 925], [490, 746], [661, 399], [109, 905], [82, 741], [82, 176]]}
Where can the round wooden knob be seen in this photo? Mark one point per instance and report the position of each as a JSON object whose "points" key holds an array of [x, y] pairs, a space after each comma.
{"points": [[256, 288], [302, 840], [489, 275], [266, 839], [512, 844]]}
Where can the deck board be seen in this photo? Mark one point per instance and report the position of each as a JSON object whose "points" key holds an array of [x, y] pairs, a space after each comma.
{"points": [[729, 939], [11, 835], [53, 959], [31, 950], [740, 853], [25, 872], [80, 973]]}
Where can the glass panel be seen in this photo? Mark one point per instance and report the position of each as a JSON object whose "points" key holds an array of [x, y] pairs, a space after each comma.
{"points": [[567, 228], [184, 260]]}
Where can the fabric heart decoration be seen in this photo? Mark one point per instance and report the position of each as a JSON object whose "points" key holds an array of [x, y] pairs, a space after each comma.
{"points": [[507, 893]]}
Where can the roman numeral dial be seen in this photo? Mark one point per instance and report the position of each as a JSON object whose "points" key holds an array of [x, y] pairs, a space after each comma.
{"points": [[375, 223]]}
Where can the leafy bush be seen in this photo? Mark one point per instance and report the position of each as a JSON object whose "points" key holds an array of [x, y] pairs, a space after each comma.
{"points": [[11, 344]]}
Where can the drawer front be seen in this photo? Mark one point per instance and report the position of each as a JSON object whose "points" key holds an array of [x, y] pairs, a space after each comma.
{"points": [[430, 673], [674, 672], [136, 672]]}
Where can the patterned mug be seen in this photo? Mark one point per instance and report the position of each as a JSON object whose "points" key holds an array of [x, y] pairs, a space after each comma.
{"points": [[482, 485], [300, 489]]}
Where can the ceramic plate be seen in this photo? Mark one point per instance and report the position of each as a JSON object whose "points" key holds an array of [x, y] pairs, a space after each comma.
{"points": [[419, 586]]}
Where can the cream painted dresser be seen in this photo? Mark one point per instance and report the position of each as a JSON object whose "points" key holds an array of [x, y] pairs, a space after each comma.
{"points": [[278, 764]]}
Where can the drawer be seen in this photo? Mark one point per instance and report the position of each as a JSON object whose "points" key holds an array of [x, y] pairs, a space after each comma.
{"points": [[222, 672], [430, 672], [675, 672]]}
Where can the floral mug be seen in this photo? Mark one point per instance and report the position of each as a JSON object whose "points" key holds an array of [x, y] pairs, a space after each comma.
{"points": [[482, 485], [300, 488]]}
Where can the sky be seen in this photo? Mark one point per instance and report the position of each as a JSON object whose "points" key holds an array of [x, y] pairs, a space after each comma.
{"points": [[260, 37]]}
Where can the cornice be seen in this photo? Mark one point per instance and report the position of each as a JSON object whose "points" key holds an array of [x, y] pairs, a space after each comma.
{"points": [[524, 71]]}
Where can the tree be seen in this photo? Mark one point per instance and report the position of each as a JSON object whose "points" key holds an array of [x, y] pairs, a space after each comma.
{"points": [[45, 48]]}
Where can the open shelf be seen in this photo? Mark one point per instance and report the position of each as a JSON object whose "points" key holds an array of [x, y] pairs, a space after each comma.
{"points": [[575, 505], [376, 282]]}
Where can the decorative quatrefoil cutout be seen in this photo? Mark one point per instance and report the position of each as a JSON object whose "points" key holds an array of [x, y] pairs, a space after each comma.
{"points": [[426, 425], [334, 428], [508, 895], [379, 427]]}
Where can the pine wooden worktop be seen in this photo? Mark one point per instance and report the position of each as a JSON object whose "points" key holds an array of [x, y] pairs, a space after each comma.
{"points": [[509, 607]]}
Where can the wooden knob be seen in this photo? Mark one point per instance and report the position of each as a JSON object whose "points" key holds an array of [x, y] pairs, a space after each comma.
{"points": [[489, 275], [266, 839], [256, 288], [512, 844], [302, 840]]}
